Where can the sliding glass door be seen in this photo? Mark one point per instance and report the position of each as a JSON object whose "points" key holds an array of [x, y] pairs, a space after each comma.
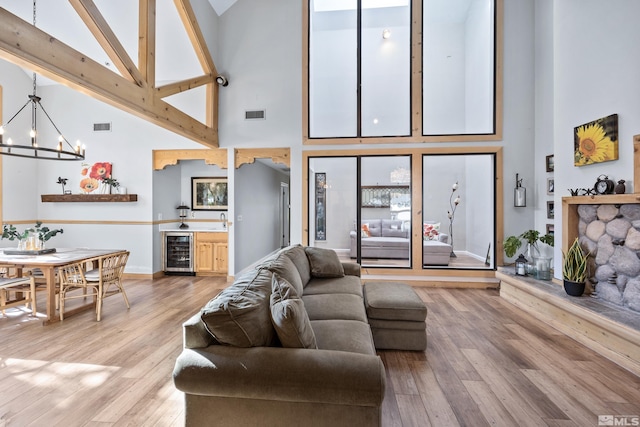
{"points": [[363, 207]]}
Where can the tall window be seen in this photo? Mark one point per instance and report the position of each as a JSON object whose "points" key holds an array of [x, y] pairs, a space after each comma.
{"points": [[359, 68], [413, 70]]}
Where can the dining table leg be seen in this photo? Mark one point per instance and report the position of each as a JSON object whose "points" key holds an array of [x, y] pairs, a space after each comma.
{"points": [[50, 278]]}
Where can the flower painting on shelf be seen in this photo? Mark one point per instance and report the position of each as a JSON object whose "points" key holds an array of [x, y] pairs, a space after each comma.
{"points": [[93, 177], [596, 141]]}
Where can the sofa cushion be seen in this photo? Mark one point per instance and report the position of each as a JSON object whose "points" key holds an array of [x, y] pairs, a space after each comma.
{"points": [[285, 268], [333, 285], [393, 228], [297, 254], [289, 316], [335, 306], [343, 335], [324, 262], [240, 315]]}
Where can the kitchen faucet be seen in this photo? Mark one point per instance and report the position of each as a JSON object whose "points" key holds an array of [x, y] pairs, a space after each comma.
{"points": [[223, 217]]}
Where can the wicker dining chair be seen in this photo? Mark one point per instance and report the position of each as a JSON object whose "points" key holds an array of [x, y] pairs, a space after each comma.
{"points": [[110, 268], [23, 285], [72, 279]]}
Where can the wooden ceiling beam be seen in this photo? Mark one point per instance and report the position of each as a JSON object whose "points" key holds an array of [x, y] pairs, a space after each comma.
{"points": [[27, 46], [184, 85], [95, 22], [147, 40], [188, 17]]}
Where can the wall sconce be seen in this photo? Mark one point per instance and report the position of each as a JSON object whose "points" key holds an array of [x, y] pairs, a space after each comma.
{"points": [[386, 33], [222, 81], [519, 194], [182, 213]]}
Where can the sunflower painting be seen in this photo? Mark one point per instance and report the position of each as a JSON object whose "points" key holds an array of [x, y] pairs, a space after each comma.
{"points": [[596, 141], [93, 175]]}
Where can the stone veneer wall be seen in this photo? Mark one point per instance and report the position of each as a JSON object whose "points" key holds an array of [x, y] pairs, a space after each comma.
{"points": [[611, 233]]}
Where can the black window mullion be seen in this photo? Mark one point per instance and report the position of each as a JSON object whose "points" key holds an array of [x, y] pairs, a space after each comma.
{"points": [[359, 70]]}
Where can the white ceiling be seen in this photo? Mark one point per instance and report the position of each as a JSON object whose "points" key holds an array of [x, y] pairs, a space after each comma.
{"points": [[221, 6]]}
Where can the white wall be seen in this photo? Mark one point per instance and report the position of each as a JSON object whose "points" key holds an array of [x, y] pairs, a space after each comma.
{"points": [[257, 201], [20, 175], [595, 74]]}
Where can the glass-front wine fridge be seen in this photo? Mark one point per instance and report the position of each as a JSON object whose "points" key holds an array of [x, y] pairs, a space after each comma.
{"points": [[177, 253]]}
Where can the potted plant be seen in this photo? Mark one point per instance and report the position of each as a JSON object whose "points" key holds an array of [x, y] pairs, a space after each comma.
{"points": [[112, 183], [534, 258], [574, 269], [43, 234], [532, 237]]}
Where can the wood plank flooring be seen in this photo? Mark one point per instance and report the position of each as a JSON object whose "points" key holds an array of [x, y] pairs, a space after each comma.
{"points": [[486, 363]]}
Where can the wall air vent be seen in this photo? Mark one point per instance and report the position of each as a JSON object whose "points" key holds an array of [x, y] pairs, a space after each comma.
{"points": [[255, 115], [102, 127]]}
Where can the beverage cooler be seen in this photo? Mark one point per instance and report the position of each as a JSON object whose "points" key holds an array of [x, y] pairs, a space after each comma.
{"points": [[177, 253]]}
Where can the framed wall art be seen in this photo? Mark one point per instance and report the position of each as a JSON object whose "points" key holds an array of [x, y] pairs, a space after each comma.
{"points": [[550, 185], [596, 141], [321, 203], [209, 194], [549, 163], [550, 210]]}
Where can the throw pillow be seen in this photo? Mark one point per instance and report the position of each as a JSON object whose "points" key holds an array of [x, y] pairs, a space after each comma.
{"points": [[289, 317], [240, 315], [284, 266], [430, 231], [365, 230], [324, 262]]}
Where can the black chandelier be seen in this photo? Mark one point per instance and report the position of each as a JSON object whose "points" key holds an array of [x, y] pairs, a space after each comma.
{"points": [[34, 151]]}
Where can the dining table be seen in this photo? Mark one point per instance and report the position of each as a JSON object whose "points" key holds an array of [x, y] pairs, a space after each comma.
{"points": [[48, 263]]}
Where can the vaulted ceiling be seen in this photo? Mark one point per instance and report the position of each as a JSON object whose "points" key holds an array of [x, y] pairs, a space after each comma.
{"points": [[103, 48]]}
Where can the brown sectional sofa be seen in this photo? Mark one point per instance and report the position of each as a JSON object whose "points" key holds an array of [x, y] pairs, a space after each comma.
{"points": [[288, 343]]}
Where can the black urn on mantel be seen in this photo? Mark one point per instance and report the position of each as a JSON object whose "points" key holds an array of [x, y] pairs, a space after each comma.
{"points": [[620, 187]]}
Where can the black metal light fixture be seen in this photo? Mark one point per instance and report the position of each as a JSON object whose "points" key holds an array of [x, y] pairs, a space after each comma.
{"points": [[182, 213], [33, 150], [222, 80], [519, 194]]}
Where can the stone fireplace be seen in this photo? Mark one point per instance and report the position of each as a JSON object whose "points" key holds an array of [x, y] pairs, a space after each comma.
{"points": [[609, 227], [611, 233]]}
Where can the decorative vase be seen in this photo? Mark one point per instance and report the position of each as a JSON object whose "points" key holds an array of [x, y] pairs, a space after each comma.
{"points": [[573, 288], [542, 268], [620, 188]]}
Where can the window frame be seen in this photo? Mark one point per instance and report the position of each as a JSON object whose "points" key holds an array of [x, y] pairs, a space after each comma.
{"points": [[416, 201], [415, 88]]}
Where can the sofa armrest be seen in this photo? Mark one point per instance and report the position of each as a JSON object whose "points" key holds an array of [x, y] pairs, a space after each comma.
{"points": [[283, 374], [443, 237], [194, 334], [351, 268]]}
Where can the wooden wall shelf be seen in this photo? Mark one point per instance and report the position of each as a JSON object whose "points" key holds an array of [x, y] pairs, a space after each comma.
{"points": [[104, 198]]}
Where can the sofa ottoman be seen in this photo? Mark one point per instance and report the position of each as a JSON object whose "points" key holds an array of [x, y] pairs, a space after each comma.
{"points": [[397, 316], [435, 252]]}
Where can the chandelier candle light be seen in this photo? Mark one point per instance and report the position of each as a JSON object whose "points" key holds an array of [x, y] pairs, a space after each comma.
{"points": [[453, 203], [32, 150]]}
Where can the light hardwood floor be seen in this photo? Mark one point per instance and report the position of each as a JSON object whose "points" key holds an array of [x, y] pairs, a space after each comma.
{"points": [[486, 363]]}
